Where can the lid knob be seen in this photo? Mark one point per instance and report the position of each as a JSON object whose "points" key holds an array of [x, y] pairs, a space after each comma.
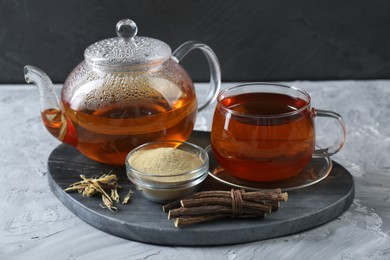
{"points": [[127, 50], [126, 28]]}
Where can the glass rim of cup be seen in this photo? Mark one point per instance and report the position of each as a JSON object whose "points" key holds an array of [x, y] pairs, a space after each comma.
{"points": [[224, 91]]}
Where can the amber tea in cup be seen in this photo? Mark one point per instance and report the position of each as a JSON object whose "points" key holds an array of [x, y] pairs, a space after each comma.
{"points": [[265, 132]]}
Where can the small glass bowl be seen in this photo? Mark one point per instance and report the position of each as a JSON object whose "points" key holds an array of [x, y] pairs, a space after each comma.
{"points": [[164, 188]]}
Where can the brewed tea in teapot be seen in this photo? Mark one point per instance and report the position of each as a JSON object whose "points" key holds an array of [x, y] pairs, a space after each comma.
{"points": [[129, 90]]}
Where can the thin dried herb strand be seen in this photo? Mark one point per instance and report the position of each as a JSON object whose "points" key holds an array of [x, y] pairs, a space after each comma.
{"points": [[89, 186], [115, 195], [108, 204], [127, 197]]}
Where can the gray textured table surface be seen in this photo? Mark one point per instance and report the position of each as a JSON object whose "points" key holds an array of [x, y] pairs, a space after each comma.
{"points": [[35, 225]]}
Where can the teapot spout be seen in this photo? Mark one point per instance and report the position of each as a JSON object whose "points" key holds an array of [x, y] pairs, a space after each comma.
{"points": [[52, 112]]}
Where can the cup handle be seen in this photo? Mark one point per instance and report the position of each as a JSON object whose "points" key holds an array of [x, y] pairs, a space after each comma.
{"points": [[338, 144], [215, 70]]}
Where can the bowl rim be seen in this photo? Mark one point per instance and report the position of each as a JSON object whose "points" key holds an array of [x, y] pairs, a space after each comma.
{"points": [[198, 172]]}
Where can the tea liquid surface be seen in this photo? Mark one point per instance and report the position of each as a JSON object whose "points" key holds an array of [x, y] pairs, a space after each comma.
{"points": [[261, 138]]}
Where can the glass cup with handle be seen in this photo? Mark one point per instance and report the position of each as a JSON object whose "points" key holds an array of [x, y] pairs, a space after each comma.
{"points": [[265, 132]]}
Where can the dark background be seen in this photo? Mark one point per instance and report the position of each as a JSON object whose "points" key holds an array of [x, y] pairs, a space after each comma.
{"points": [[262, 40]]}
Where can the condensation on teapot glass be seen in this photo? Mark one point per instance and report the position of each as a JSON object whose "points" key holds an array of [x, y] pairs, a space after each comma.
{"points": [[128, 90], [127, 51], [91, 91]]}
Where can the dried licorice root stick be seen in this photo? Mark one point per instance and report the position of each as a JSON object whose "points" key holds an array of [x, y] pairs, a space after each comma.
{"points": [[213, 210], [172, 205], [203, 194], [211, 205], [271, 197], [275, 194], [188, 203]]}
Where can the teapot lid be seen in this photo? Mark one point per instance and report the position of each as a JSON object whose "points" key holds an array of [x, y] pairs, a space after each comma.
{"points": [[127, 50]]}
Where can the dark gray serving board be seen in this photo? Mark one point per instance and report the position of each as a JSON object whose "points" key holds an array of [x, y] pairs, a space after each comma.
{"points": [[144, 221]]}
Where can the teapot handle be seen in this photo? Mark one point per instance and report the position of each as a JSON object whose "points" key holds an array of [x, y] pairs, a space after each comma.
{"points": [[215, 70]]}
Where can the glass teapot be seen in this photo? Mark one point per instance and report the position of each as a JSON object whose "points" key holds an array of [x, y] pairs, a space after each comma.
{"points": [[129, 90]]}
